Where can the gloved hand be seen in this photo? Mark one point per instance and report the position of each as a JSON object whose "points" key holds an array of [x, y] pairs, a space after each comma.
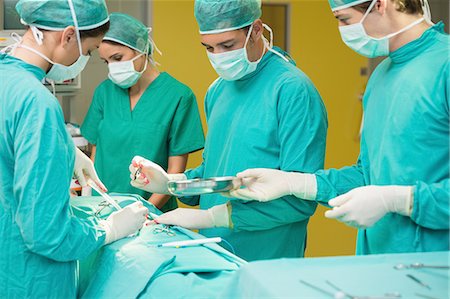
{"points": [[124, 222], [152, 177], [268, 184], [362, 207], [84, 169], [217, 216]]}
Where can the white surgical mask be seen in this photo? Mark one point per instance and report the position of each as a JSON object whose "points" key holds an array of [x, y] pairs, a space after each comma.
{"points": [[59, 72], [355, 37], [124, 74], [234, 65]]}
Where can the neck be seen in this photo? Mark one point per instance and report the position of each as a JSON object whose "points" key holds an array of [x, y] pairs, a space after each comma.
{"points": [[31, 57], [149, 75], [409, 35], [258, 51]]}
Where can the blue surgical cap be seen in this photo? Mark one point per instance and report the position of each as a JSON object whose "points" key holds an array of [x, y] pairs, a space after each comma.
{"points": [[55, 15], [128, 31], [216, 16], [341, 4]]}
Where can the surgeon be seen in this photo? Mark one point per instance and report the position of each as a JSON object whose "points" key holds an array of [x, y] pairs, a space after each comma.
{"points": [[40, 238], [139, 111], [261, 112], [398, 192]]}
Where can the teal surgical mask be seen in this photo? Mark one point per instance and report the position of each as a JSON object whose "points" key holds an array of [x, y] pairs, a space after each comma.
{"points": [[234, 65], [356, 38], [123, 73]]}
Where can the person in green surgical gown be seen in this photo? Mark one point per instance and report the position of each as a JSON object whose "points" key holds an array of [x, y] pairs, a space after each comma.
{"points": [[398, 192], [262, 112], [139, 111], [41, 240]]}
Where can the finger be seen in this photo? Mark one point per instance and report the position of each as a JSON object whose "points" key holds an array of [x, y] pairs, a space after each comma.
{"points": [[252, 172], [340, 200], [81, 178], [137, 184], [335, 213], [244, 194]]}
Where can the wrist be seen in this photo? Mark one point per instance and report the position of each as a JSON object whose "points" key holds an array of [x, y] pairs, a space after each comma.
{"points": [[176, 176], [220, 215], [302, 185], [403, 197], [104, 224]]}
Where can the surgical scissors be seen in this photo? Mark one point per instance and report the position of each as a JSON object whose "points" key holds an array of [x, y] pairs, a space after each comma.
{"points": [[164, 229]]}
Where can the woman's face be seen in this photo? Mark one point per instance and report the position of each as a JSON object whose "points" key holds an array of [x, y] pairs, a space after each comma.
{"points": [[112, 52], [375, 22]]}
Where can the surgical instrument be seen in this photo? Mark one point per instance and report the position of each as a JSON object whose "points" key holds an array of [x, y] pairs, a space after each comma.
{"points": [[203, 186], [418, 281], [419, 266], [323, 291], [108, 198], [188, 243]]}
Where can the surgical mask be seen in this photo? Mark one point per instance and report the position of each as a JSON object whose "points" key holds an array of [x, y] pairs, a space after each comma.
{"points": [[124, 74], [234, 65], [59, 72], [356, 38]]}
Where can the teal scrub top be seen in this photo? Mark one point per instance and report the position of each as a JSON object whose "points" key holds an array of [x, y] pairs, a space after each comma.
{"points": [[165, 122], [273, 118], [40, 238], [405, 141]]}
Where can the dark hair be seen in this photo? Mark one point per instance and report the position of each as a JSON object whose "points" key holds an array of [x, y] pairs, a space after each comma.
{"points": [[96, 32], [411, 7]]}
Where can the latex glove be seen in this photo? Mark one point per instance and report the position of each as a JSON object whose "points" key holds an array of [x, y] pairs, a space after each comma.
{"points": [[124, 222], [84, 169], [152, 177], [217, 216], [264, 184], [362, 207]]}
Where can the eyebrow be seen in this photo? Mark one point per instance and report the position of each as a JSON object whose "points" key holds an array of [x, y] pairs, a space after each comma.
{"points": [[220, 44]]}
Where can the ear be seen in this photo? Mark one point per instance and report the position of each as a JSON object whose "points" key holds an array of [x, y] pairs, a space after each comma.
{"points": [[68, 36], [381, 6], [258, 30]]}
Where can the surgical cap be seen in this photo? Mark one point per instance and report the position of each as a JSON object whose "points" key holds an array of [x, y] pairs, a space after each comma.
{"points": [[128, 31], [55, 15], [216, 16], [341, 4]]}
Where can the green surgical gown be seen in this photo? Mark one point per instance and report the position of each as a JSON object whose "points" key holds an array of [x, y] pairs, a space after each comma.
{"points": [[40, 238], [405, 141], [274, 118], [165, 122]]}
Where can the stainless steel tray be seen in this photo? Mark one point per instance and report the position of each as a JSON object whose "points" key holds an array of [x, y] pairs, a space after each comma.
{"points": [[203, 186]]}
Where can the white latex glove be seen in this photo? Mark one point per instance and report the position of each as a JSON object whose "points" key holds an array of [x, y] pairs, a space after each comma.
{"points": [[217, 216], [84, 169], [362, 207], [152, 177], [124, 222], [264, 184]]}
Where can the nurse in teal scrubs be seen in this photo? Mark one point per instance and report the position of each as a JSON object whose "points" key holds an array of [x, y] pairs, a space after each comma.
{"points": [[139, 111], [398, 193], [262, 112]]}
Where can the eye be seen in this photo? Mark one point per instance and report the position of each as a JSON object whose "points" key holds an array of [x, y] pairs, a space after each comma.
{"points": [[228, 46]]}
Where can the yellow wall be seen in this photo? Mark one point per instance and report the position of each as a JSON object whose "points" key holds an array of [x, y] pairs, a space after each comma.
{"points": [[319, 52]]}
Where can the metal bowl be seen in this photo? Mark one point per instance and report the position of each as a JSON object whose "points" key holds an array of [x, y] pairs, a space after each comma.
{"points": [[203, 186]]}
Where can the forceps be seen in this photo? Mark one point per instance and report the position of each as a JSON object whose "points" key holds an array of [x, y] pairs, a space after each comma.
{"points": [[419, 266]]}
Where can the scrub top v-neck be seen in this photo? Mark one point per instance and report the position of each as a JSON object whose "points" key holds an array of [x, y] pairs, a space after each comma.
{"points": [[165, 122]]}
